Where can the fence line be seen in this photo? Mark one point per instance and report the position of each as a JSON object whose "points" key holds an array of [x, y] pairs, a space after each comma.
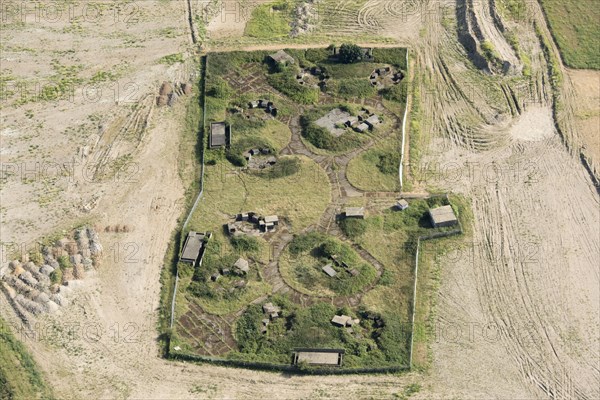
{"points": [[201, 133], [435, 235], [286, 367], [400, 168]]}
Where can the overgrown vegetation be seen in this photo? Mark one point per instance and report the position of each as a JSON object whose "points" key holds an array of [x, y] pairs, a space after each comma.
{"points": [[171, 59], [396, 93], [353, 227], [377, 341], [20, 377], [575, 28], [286, 83], [321, 138], [285, 166], [270, 20], [350, 53], [301, 266]]}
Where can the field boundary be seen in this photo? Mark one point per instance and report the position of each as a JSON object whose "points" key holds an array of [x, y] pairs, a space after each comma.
{"points": [[434, 235], [408, 96], [176, 355], [201, 134]]}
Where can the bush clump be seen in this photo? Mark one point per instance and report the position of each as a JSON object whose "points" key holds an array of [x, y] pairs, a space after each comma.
{"points": [[396, 93], [302, 243], [284, 167], [350, 53], [219, 88], [352, 227], [286, 83], [245, 244], [388, 162], [321, 138]]}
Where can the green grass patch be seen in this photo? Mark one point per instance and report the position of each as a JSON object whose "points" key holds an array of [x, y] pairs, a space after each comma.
{"points": [[352, 87], [171, 59], [377, 168], [20, 377], [286, 83], [575, 28], [258, 133], [270, 20], [300, 198]]}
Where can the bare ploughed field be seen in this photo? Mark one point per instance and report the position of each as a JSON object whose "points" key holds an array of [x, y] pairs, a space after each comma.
{"points": [[517, 309]]}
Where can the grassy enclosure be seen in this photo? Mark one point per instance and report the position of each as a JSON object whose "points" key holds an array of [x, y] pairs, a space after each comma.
{"points": [[219, 313], [575, 28]]}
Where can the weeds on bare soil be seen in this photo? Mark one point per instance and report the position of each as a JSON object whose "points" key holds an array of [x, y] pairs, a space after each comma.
{"points": [[20, 377]]}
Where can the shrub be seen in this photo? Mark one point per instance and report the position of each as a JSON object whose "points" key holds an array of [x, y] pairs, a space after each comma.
{"points": [[388, 162], [244, 243], [247, 329], [36, 257], [350, 53], [219, 88], [330, 248], [286, 83], [302, 243], [396, 93], [353, 228], [284, 167], [64, 262], [56, 276]]}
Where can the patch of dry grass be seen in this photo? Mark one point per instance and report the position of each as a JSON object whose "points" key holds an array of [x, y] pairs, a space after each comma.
{"points": [[298, 199]]}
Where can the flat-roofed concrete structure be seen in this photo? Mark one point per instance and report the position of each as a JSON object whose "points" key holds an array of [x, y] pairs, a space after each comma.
{"points": [[273, 219], [328, 269], [194, 244], [218, 135], [362, 127], [281, 57], [402, 204], [354, 212], [372, 121], [340, 320], [326, 357], [442, 216]]}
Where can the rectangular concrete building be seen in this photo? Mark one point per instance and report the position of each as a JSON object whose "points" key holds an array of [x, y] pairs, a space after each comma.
{"points": [[328, 269], [354, 212], [192, 247], [442, 216], [325, 357], [218, 135]]}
